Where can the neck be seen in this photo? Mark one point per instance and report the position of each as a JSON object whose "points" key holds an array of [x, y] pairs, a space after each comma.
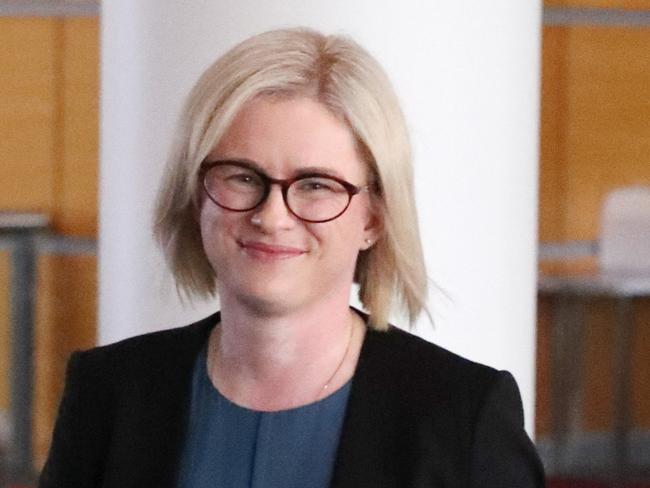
{"points": [[273, 361]]}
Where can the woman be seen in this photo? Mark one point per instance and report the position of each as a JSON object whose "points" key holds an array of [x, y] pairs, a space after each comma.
{"points": [[290, 180]]}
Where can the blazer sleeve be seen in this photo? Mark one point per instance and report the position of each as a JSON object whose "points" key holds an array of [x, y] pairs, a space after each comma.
{"points": [[80, 434], [503, 456]]}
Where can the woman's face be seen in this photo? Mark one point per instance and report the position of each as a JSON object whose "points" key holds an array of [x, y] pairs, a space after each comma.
{"points": [[266, 257]]}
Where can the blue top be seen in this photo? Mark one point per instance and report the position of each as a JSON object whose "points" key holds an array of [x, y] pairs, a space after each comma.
{"points": [[229, 446]]}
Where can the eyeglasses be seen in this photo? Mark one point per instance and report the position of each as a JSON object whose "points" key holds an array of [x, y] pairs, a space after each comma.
{"points": [[312, 197]]}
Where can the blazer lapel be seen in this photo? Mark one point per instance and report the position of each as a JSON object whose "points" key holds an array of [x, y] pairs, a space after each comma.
{"points": [[153, 422], [366, 455]]}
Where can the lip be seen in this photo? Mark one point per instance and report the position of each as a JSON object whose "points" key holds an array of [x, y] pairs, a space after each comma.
{"points": [[262, 250]]}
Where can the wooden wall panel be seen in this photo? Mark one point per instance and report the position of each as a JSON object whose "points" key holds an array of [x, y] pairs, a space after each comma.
{"points": [[49, 88], [599, 360], [77, 192], [552, 189], [543, 425], [65, 322], [28, 114], [595, 136], [598, 366], [66, 314], [641, 365], [5, 336], [608, 134], [622, 4]]}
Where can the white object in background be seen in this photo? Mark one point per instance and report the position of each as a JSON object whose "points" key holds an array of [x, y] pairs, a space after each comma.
{"points": [[625, 231]]}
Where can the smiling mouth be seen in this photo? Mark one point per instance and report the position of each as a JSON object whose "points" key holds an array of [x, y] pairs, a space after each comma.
{"points": [[260, 250]]}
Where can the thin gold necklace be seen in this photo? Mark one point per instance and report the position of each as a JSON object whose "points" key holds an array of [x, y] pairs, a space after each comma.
{"points": [[345, 355]]}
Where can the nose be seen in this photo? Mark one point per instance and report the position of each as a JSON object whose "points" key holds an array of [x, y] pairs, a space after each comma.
{"points": [[273, 213]]}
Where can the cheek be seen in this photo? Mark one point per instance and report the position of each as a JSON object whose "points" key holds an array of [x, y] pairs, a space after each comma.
{"points": [[207, 220], [342, 236], [355, 223], [214, 226]]}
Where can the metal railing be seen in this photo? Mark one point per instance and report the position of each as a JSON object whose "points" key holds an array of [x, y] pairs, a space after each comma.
{"points": [[26, 236]]}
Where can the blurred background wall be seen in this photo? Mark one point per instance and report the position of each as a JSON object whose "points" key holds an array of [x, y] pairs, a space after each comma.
{"points": [[595, 136], [49, 100]]}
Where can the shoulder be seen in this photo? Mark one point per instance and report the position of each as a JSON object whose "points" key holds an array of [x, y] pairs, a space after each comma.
{"points": [[147, 350], [413, 357], [118, 395], [426, 374]]}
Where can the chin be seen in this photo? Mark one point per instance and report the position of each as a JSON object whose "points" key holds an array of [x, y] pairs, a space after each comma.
{"points": [[263, 292], [268, 305]]}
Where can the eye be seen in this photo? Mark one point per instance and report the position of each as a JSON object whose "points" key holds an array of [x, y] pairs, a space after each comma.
{"points": [[317, 185], [243, 178], [313, 186]]}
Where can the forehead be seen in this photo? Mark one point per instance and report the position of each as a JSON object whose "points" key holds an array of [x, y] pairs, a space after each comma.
{"points": [[284, 135]]}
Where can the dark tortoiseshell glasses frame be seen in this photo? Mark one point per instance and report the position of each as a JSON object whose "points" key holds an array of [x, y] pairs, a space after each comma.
{"points": [[284, 184]]}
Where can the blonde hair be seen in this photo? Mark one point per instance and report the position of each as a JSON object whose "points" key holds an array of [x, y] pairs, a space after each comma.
{"points": [[340, 74]]}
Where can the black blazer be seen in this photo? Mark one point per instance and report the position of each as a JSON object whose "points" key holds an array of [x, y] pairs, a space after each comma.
{"points": [[418, 416]]}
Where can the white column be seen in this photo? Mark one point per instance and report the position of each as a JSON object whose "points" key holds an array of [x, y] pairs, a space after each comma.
{"points": [[467, 73]]}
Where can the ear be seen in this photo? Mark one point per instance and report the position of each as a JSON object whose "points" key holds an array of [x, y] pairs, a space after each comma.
{"points": [[374, 227]]}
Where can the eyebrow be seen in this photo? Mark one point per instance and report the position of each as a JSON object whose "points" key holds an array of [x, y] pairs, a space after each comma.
{"points": [[305, 170], [318, 170]]}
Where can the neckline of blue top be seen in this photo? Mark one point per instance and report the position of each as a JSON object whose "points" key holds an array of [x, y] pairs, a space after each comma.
{"points": [[332, 397]]}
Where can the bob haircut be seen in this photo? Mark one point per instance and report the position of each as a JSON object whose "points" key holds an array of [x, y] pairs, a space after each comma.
{"points": [[341, 75]]}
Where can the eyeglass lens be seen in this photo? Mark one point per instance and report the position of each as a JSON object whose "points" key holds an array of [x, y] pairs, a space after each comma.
{"points": [[313, 198]]}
